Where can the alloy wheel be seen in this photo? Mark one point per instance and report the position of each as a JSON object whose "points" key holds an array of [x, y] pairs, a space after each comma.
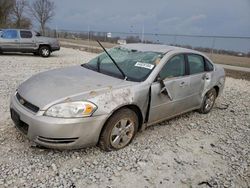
{"points": [[209, 101], [122, 133]]}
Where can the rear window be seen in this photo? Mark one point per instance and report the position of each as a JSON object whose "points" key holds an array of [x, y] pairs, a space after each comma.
{"points": [[25, 34]]}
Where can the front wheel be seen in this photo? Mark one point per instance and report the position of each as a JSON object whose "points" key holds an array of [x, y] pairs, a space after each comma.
{"points": [[208, 101], [119, 130], [44, 51]]}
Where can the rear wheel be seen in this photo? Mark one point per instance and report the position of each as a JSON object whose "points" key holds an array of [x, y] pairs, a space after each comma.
{"points": [[119, 131], [208, 101], [44, 51]]}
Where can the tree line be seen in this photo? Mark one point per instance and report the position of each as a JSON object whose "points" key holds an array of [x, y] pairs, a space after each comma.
{"points": [[21, 14]]}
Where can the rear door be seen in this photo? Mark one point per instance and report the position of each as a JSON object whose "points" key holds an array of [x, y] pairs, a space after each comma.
{"points": [[27, 41], [177, 83], [198, 77], [9, 41]]}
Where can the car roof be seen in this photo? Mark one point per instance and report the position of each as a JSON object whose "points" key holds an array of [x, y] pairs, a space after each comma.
{"points": [[16, 29], [156, 48]]}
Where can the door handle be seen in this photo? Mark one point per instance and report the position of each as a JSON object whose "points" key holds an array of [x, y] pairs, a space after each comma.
{"points": [[183, 84], [205, 77]]}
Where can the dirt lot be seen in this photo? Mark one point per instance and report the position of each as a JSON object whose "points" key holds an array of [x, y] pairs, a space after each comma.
{"points": [[192, 150], [230, 60]]}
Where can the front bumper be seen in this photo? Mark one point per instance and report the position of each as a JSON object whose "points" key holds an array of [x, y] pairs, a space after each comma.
{"points": [[59, 133], [55, 48]]}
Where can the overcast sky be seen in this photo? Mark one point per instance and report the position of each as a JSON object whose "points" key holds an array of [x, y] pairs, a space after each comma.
{"points": [[205, 17]]}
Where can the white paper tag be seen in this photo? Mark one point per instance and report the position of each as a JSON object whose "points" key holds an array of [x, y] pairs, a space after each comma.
{"points": [[144, 65]]}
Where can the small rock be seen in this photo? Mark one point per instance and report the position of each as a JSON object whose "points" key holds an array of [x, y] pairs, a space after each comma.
{"points": [[54, 167]]}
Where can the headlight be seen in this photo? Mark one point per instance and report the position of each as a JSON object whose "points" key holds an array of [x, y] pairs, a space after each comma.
{"points": [[71, 110]]}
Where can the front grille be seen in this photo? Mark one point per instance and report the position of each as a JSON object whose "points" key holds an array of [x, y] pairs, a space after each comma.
{"points": [[27, 104], [23, 127], [56, 140]]}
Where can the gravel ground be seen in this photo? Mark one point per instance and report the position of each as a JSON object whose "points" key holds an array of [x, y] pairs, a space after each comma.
{"points": [[192, 150]]}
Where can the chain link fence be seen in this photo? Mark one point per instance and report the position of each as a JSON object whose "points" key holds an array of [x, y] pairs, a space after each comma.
{"points": [[222, 49]]}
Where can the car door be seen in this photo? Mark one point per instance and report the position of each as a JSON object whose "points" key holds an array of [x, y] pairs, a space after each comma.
{"points": [[199, 78], [177, 84], [27, 41], [9, 41]]}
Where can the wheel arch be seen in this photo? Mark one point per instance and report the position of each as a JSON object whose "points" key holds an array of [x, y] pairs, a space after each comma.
{"points": [[132, 107], [41, 45], [217, 89]]}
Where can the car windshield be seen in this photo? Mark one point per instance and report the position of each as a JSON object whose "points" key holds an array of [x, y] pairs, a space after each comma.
{"points": [[136, 65]]}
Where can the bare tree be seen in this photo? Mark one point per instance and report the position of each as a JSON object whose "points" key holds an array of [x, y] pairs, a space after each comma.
{"points": [[43, 11], [18, 17], [6, 7]]}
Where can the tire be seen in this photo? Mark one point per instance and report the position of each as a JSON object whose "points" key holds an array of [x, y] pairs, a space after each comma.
{"points": [[119, 130], [44, 51], [208, 101]]}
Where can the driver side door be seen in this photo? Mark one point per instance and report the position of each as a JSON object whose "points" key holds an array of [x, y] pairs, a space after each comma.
{"points": [[177, 83], [27, 41]]}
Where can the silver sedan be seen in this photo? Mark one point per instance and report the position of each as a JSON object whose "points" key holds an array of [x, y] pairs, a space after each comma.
{"points": [[109, 99]]}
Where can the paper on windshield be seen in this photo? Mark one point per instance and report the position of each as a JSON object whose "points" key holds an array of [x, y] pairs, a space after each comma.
{"points": [[144, 65]]}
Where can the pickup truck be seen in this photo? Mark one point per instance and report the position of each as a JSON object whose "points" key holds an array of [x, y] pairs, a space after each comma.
{"points": [[27, 41]]}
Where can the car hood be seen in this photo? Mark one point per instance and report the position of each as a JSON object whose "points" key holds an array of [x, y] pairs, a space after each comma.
{"points": [[54, 86]]}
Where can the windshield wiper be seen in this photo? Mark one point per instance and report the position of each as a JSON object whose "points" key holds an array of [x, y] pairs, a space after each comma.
{"points": [[98, 64], [123, 74]]}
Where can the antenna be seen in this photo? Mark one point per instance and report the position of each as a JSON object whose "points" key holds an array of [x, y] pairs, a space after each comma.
{"points": [[142, 34]]}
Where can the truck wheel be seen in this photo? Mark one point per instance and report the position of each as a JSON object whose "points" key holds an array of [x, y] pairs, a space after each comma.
{"points": [[119, 130], [44, 51]]}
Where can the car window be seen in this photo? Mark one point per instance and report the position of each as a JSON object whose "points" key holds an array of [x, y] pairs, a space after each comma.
{"points": [[175, 67], [196, 63], [9, 34], [137, 65], [26, 34], [209, 66]]}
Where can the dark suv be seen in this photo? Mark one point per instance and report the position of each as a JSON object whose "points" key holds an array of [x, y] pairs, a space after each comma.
{"points": [[27, 41]]}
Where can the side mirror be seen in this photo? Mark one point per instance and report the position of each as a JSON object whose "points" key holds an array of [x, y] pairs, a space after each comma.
{"points": [[164, 89], [206, 76]]}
